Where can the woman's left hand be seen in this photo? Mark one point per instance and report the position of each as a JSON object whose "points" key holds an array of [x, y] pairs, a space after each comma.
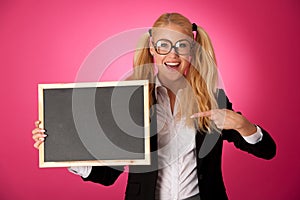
{"points": [[228, 119]]}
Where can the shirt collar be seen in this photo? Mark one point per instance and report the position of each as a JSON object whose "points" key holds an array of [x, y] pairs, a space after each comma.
{"points": [[159, 85]]}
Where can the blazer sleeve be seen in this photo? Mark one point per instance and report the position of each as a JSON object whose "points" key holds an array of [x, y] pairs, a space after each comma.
{"points": [[104, 175], [266, 148]]}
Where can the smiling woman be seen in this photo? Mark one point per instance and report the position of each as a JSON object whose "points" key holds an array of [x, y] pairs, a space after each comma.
{"points": [[194, 67], [185, 152]]}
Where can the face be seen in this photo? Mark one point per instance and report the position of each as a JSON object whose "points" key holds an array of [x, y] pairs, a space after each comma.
{"points": [[171, 65]]}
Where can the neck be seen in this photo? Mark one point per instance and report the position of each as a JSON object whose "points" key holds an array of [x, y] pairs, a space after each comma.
{"points": [[173, 85]]}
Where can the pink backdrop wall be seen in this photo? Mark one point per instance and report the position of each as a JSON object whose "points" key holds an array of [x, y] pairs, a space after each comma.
{"points": [[257, 47]]}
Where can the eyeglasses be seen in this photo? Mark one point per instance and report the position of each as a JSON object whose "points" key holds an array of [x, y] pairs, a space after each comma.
{"points": [[181, 47]]}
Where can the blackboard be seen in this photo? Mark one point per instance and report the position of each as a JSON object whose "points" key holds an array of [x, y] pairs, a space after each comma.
{"points": [[95, 124]]}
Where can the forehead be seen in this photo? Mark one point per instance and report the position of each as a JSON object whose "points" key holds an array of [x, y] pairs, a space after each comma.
{"points": [[170, 32]]}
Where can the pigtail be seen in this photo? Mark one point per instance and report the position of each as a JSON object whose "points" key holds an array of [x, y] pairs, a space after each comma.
{"points": [[203, 77], [143, 63], [203, 39]]}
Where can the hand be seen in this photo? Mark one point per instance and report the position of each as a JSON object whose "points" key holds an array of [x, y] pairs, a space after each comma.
{"points": [[228, 119], [38, 135]]}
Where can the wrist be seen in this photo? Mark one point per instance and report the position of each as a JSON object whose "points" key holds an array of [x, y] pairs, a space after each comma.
{"points": [[247, 130]]}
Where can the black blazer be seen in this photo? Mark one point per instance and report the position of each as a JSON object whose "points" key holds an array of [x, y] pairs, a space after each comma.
{"points": [[142, 179]]}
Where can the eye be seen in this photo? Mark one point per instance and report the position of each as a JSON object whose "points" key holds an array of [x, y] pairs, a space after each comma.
{"points": [[182, 44], [163, 44]]}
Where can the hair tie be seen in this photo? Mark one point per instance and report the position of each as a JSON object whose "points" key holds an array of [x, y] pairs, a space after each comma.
{"points": [[194, 27], [150, 32], [194, 30]]}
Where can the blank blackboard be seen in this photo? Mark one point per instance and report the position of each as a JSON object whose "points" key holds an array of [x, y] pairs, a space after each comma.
{"points": [[90, 124]]}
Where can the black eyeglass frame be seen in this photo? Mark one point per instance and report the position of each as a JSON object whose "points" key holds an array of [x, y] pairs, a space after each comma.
{"points": [[173, 46]]}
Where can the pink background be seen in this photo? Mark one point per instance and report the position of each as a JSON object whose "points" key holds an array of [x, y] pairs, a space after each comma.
{"points": [[257, 47]]}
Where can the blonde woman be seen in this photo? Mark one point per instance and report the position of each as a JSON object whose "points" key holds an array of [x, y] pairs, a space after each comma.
{"points": [[191, 118]]}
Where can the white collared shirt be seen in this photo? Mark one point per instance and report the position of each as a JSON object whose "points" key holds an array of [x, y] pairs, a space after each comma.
{"points": [[177, 172]]}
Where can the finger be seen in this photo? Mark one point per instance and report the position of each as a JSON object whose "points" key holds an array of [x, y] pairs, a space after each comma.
{"points": [[37, 144], [37, 123], [219, 124], [38, 130], [39, 137], [202, 114], [218, 115]]}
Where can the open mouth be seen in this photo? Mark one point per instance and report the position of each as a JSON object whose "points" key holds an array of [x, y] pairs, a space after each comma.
{"points": [[172, 65]]}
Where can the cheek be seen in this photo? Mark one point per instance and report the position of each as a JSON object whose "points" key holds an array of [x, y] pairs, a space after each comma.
{"points": [[157, 59], [185, 65], [186, 62]]}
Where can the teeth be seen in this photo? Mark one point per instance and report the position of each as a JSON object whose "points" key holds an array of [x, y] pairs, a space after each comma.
{"points": [[172, 64]]}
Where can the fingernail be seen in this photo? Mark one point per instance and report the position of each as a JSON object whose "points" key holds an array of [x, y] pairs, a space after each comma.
{"points": [[196, 115], [43, 131], [44, 135], [41, 139]]}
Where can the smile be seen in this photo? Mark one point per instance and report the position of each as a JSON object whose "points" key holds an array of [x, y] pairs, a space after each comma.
{"points": [[172, 64]]}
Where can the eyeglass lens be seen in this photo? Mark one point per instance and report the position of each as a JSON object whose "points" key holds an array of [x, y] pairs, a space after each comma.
{"points": [[164, 46]]}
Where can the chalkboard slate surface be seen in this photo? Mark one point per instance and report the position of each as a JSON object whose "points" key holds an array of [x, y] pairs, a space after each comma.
{"points": [[104, 123]]}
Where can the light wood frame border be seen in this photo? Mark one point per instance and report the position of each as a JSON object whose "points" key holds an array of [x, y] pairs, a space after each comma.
{"points": [[145, 161]]}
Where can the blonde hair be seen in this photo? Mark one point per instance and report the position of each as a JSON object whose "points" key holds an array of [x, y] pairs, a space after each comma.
{"points": [[202, 74]]}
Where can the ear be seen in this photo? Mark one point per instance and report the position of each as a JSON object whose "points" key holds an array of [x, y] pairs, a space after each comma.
{"points": [[152, 50]]}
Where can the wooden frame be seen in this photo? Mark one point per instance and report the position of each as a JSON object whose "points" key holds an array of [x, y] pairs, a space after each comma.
{"points": [[53, 103]]}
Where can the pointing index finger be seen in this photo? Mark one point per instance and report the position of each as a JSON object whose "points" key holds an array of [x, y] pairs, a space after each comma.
{"points": [[202, 114]]}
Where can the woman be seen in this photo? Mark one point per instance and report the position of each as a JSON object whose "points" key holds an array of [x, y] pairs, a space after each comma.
{"points": [[193, 118]]}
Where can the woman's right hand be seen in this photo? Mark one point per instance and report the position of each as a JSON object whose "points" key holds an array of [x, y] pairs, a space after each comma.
{"points": [[38, 135]]}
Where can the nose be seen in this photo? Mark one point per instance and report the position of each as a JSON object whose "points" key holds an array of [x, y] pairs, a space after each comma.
{"points": [[173, 51]]}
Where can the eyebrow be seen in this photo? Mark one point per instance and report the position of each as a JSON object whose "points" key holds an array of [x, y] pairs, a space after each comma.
{"points": [[173, 43]]}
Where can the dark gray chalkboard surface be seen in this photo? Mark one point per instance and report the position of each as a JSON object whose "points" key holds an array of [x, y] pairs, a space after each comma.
{"points": [[89, 124]]}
